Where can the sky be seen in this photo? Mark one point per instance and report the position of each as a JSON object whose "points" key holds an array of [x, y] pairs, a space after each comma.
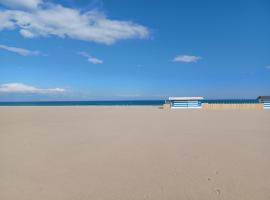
{"points": [[133, 49]]}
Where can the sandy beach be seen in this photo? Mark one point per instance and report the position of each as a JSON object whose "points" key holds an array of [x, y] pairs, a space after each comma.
{"points": [[133, 153]]}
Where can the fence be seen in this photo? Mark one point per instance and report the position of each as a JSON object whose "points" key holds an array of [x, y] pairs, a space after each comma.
{"points": [[258, 106]]}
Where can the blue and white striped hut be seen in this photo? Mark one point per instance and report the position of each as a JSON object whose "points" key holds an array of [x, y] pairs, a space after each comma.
{"points": [[185, 102], [265, 100]]}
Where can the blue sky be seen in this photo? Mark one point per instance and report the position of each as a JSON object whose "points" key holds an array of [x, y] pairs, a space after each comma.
{"points": [[127, 49]]}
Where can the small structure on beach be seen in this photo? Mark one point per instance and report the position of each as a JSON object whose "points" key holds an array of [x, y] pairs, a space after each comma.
{"points": [[262, 102], [185, 102], [265, 100]]}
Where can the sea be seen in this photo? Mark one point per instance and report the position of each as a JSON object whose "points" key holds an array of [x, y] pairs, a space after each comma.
{"points": [[121, 102], [87, 103]]}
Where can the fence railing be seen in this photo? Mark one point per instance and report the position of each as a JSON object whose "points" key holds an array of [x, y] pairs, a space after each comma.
{"points": [[233, 106]]}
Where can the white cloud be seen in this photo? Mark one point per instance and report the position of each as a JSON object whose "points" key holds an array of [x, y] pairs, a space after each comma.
{"points": [[186, 58], [90, 58], [56, 20], [20, 51], [26, 33], [24, 4], [95, 60], [23, 88]]}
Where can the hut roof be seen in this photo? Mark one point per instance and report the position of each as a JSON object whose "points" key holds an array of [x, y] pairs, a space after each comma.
{"points": [[264, 98], [185, 98]]}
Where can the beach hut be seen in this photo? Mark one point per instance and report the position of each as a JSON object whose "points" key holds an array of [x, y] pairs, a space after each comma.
{"points": [[186, 102], [265, 100]]}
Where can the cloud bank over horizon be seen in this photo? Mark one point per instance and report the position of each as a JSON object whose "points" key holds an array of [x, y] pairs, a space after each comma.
{"points": [[23, 88]]}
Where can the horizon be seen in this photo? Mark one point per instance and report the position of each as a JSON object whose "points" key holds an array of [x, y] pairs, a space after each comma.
{"points": [[119, 100], [133, 50]]}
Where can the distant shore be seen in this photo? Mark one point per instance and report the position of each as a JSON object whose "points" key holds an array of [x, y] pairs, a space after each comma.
{"points": [[133, 152]]}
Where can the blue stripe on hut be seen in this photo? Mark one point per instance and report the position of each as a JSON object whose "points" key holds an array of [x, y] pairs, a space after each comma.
{"points": [[265, 100], [186, 102]]}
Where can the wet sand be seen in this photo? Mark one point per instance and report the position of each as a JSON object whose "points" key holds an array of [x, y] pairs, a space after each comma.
{"points": [[133, 153]]}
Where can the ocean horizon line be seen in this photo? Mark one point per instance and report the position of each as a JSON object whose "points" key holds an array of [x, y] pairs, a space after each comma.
{"points": [[85, 103], [137, 102]]}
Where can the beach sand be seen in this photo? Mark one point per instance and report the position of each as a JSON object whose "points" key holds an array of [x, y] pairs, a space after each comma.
{"points": [[133, 153]]}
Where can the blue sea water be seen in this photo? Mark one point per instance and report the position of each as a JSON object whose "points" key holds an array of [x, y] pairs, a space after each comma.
{"points": [[87, 103], [121, 103]]}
